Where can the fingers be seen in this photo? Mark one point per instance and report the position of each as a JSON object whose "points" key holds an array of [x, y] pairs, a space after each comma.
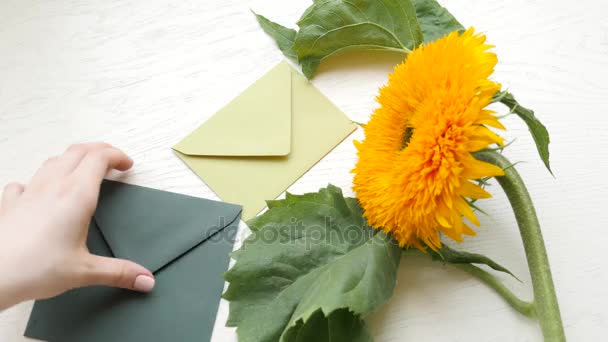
{"points": [[116, 273], [10, 194], [60, 166], [96, 164], [75, 153], [46, 174]]}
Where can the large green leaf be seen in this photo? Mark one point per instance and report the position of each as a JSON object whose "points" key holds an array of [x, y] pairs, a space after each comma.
{"points": [[330, 27], [340, 326], [282, 35], [309, 256], [435, 21], [537, 129]]}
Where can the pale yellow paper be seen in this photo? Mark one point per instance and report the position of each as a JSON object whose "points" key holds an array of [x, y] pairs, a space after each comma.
{"points": [[317, 126], [256, 123]]}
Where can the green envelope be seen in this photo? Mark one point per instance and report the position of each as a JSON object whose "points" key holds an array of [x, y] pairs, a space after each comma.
{"points": [[185, 241], [264, 140]]}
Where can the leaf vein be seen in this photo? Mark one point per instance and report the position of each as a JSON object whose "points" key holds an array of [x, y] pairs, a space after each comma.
{"points": [[355, 25]]}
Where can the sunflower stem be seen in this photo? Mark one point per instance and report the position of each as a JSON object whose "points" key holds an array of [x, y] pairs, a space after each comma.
{"points": [[545, 300], [525, 308]]}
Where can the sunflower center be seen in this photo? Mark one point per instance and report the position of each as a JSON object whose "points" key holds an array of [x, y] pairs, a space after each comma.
{"points": [[407, 135]]}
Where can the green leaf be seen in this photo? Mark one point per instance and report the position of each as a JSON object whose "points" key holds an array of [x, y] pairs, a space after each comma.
{"points": [[283, 36], [452, 256], [310, 255], [340, 326], [435, 21], [331, 27], [525, 308], [537, 129], [467, 262]]}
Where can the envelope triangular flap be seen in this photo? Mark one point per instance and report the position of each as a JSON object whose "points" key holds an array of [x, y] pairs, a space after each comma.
{"points": [[256, 123], [153, 227]]}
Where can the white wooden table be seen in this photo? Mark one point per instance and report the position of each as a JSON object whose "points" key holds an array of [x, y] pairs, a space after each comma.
{"points": [[142, 74]]}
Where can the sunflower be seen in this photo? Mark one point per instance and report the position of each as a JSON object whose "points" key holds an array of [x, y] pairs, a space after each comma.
{"points": [[415, 169]]}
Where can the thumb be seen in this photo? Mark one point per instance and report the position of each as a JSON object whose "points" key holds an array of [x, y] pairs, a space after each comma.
{"points": [[117, 273], [10, 194]]}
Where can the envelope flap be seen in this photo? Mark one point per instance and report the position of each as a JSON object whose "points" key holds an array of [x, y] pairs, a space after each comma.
{"points": [[153, 227], [256, 123]]}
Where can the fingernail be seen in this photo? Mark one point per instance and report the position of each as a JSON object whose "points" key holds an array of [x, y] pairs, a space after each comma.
{"points": [[144, 283]]}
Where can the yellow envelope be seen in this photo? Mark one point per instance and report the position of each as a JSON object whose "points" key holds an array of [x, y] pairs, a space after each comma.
{"points": [[264, 140]]}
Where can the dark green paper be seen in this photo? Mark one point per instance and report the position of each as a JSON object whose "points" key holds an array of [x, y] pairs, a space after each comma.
{"points": [[184, 240]]}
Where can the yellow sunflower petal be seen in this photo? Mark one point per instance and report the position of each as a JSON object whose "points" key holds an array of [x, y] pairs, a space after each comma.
{"points": [[477, 169], [451, 233], [471, 190], [489, 119], [443, 221], [468, 231], [482, 132], [465, 210], [477, 144]]}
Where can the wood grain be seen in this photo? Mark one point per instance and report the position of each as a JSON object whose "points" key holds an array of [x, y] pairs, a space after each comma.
{"points": [[142, 74]]}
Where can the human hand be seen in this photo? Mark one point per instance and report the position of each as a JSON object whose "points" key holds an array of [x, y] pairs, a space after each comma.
{"points": [[44, 227]]}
